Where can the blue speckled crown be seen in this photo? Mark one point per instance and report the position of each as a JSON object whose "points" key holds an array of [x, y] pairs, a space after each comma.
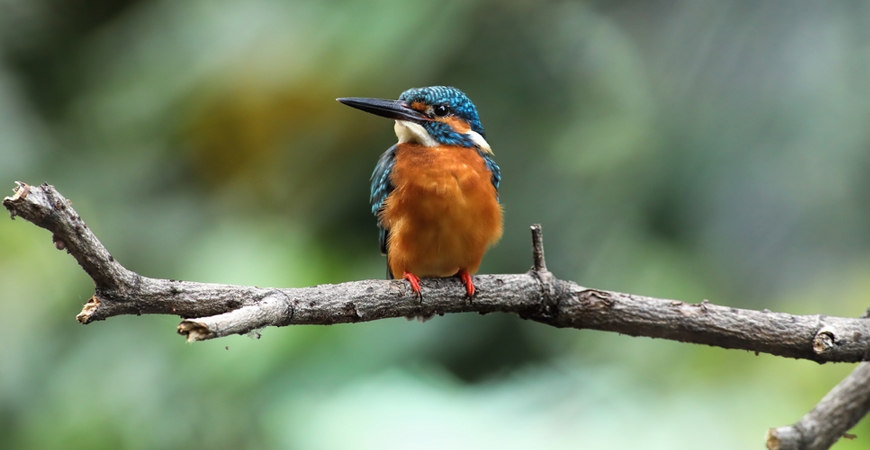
{"points": [[451, 97]]}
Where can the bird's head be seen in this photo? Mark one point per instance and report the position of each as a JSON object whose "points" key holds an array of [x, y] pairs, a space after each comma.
{"points": [[429, 116]]}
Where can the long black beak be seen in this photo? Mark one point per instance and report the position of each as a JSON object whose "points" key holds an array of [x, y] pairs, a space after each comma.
{"points": [[391, 109]]}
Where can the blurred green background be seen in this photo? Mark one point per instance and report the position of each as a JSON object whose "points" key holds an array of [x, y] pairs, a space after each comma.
{"points": [[682, 149]]}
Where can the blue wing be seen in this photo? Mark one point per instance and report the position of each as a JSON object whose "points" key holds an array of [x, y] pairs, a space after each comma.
{"points": [[381, 188], [493, 169]]}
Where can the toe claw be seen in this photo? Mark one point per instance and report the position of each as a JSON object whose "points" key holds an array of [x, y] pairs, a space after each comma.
{"points": [[415, 282], [468, 282]]}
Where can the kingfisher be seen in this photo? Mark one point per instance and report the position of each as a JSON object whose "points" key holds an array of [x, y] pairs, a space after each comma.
{"points": [[435, 192]]}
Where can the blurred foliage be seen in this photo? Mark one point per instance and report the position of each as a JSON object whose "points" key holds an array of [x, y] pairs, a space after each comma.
{"points": [[682, 149]]}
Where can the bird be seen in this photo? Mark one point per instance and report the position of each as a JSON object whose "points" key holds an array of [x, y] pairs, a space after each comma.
{"points": [[435, 192]]}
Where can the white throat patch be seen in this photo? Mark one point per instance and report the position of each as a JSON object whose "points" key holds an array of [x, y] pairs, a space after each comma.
{"points": [[414, 133]]}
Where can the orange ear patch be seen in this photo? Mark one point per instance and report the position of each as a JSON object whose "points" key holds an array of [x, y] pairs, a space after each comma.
{"points": [[458, 125]]}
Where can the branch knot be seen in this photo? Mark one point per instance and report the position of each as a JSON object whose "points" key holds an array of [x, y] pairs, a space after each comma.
{"points": [[824, 340]]}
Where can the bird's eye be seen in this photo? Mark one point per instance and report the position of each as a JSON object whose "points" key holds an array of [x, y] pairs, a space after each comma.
{"points": [[440, 110]]}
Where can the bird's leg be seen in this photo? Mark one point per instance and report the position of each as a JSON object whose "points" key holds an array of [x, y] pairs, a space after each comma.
{"points": [[415, 282], [466, 280]]}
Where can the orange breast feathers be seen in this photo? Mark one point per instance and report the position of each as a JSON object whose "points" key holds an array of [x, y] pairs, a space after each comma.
{"points": [[443, 213]]}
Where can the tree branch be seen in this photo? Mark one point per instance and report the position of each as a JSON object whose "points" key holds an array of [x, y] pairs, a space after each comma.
{"points": [[835, 414], [217, 310]]}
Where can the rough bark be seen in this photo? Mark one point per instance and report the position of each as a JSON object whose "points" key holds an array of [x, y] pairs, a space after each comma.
{"points": [[216, 310], [832, 417]]}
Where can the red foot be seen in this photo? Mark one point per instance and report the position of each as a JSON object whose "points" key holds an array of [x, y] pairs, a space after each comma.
{"points": [[466, 280], [414, 280]]}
